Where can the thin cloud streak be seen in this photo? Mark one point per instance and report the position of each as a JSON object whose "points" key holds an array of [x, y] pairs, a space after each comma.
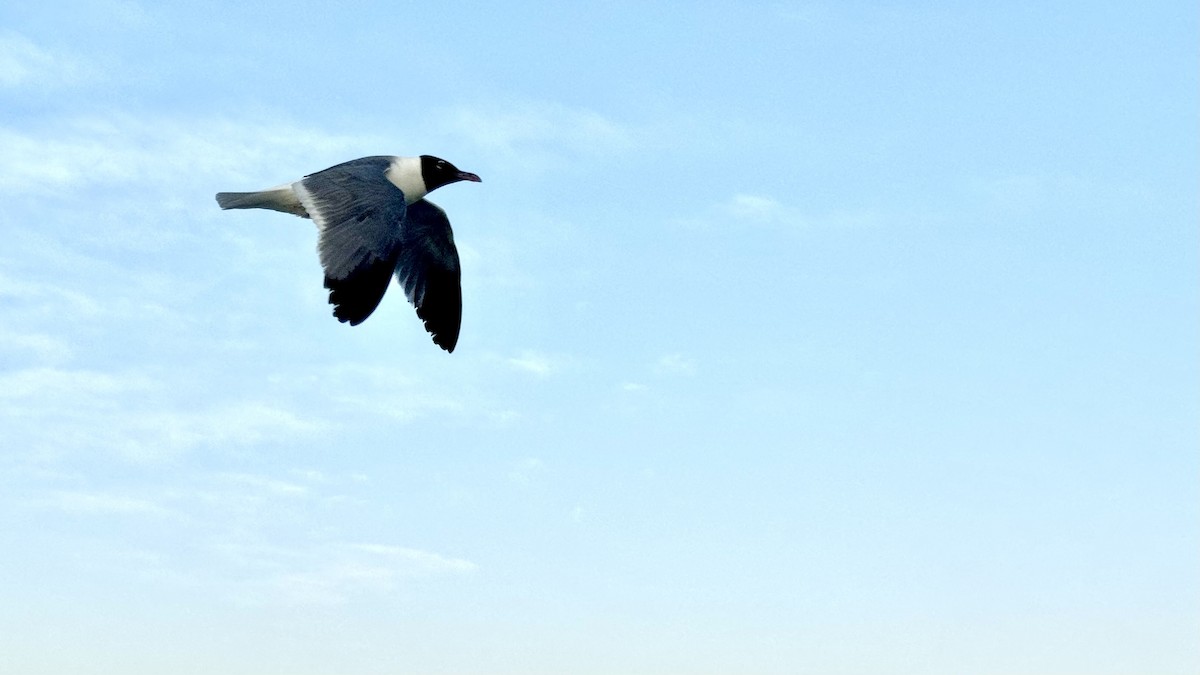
{"points": [[100, 503], [153, 152], [675, 364], [336, 573], [41, 347], [23, 63], [526, 471], [533, 363], [270, 485], [536, 134], [59, 411], [754, 209]]}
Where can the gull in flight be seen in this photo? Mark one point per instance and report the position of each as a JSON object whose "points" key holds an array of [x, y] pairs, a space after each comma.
{"points": [[373, 221]]}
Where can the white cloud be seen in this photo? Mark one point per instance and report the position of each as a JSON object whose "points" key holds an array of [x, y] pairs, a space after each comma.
{"points": [[272, 486], [160, 434], [48, 298], [23, 63], [43, 384], [416, 560], [763, 209], [525, 470], [157, 152], [336, 573], [675, 364], [387, 392], [246, 537], [532, 362], [503, 417], [375, 390], [754, 207], [41, 347], [310, 475], [98, 503], [537, 131], [54, 411]]}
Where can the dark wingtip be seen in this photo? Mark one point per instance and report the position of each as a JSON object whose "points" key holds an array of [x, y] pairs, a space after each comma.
{"points": [[442, 329], [441, 309], [356, 297]]}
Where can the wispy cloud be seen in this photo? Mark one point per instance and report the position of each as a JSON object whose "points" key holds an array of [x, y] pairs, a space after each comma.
{"points": [[755, 207], [158, 434], [155, 151], [40, 347], [415, 560], [337, 573], [675, 364], [46, 298], [40, 384], [350, 392], [526, 470], [532, 362], [100, 503], [310, 475], [766, 210], [273, 486], [53, 411], [539, 131], [389, 392], [259, 538], [25, 64]]}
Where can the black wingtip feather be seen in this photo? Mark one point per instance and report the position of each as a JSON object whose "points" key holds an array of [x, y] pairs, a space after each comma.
{"points": [[356, 297], [441, 309]]}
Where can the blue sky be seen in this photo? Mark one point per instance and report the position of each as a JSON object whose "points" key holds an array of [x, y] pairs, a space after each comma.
{"points": [[798, 338]]}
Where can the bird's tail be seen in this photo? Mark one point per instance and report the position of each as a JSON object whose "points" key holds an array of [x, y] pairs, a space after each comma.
{"points": [[277, 199]]}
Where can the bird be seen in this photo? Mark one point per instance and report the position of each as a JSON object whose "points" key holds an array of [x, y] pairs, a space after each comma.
{"points": [[373, 222]]}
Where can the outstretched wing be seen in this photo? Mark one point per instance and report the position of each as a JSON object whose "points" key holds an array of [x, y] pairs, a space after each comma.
{"points": [[428, 270], [358, 213]]}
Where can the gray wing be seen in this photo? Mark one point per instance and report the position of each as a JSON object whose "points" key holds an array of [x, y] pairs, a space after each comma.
{"points": [[428, 270], [358, 213]]}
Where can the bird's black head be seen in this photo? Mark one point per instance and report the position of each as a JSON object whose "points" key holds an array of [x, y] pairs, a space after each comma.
{"points": [[438, 172]]}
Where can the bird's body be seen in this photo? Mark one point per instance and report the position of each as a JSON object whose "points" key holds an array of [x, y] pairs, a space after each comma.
{"points": [[373, 221]]}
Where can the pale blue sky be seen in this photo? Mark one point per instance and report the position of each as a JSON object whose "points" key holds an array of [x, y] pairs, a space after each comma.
{"points": [[798, 338]]}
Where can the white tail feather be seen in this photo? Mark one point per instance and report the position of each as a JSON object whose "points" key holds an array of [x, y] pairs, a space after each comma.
{"points": [[277, 199]]}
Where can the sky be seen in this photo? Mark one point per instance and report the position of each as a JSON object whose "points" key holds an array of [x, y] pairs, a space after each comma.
{"points": [[798, 337]]}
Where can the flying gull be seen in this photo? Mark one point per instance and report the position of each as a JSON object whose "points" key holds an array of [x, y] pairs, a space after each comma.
{"points": [[372, 222]]}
